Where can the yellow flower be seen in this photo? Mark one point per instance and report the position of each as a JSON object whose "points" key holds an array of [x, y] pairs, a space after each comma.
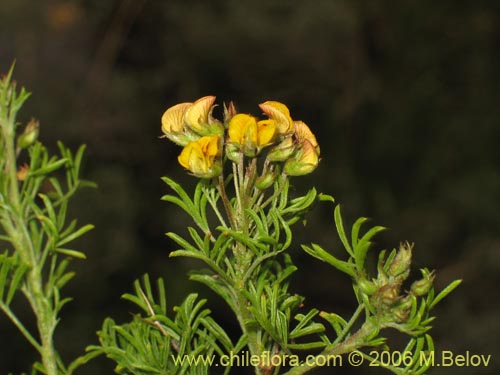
{"points": [[252, 136], [303, 133], [279, 113], [202, 157], [186, 122], [305, 160], [198, 115], [306, 157], [172, 124]]}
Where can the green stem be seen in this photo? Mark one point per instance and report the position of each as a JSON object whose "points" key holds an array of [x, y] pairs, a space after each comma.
{"points": [[225, 201], [16, 229], [351, 343], [243, 183], [349, 324], [10, 162], [277, 192]]}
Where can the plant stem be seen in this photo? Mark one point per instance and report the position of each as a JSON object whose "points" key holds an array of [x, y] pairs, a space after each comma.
{"points": [[16, 229], [244, 315], [351, 343], [243, 183], [225, 201], [348, 326]]}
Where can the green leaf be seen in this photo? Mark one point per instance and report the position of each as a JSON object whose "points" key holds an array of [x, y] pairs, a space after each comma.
{"points": [[321, 254], [355, 230], [183, 243], [61, 215], [69, 229], [217, 285], [198, 241], [189, 254], [49, 168], [218, 332], [336, 321], [82, 360], [219, 248], [340, 230], [307, 346], [256, 247], [444, 293], [77, 161], [48, 206], [184, 201], [288, 232], [4, 273], [304, 322], [63, 280], [78, 233], [300, 204], [160, 285], [16, 280], [363, 245], [326, 198], [49, 227], [256, 219], [72, 253], [291, 302]]}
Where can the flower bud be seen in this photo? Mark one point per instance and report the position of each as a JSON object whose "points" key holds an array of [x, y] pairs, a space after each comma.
{"points": [[389, 293], [29, 135], [282, 151], [22, 172], [265, 181], [402, 310], [421, 287], [304, 161], [233, 152], [229, 112], [366, 286], [400, 265]]}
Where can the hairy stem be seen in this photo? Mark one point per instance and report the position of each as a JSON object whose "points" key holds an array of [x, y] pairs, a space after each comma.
{"points": [[16, 229], [353, 342]]}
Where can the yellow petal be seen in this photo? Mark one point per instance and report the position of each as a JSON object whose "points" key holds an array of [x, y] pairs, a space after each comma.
{"points": [[210, 146], [197, 115], [242, 129], [186, 153], [200, 156], [308, 154], [303, 133], [280, 113], [172, 120], [266, 132]]}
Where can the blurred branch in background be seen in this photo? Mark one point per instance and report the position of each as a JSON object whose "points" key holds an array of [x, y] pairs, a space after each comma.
{"points": [[109, 48]]}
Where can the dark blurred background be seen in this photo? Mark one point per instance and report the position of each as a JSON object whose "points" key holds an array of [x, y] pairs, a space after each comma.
{"points": [[403, 97]]}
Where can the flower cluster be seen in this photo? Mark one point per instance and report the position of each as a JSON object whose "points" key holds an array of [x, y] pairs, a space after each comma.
{"points": [[206, 139]]}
